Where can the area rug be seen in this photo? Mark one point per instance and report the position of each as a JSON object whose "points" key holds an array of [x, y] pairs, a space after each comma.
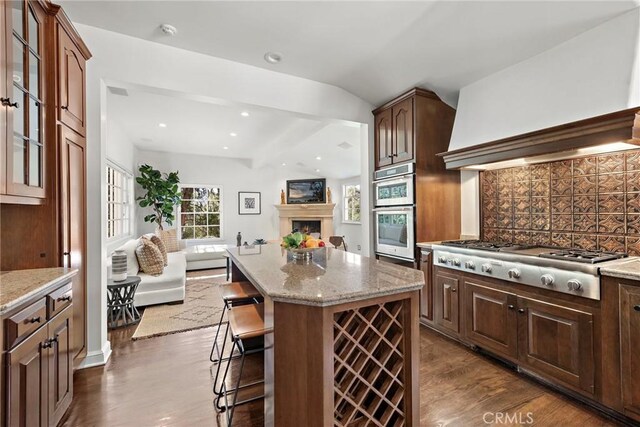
{"points": [[201, 308]]}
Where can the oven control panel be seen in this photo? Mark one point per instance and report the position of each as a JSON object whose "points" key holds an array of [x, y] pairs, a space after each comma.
{"points": [[554, 279]]}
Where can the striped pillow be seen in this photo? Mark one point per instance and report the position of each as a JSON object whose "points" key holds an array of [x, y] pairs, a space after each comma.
{"points": [[160, 244], [169, 238], [149, 257]]}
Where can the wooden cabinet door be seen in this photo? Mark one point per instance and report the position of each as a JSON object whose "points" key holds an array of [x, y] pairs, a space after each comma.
{"points": [[630, 348], [27, 372], [60, 365], [446, 308], [72, 167], [426, 293], [71, 84], [402, 134], [491, 319], [383, 146], [557, 342]]}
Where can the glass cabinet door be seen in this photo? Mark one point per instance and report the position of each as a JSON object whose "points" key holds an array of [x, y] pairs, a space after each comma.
{"points": [[25, 136]]}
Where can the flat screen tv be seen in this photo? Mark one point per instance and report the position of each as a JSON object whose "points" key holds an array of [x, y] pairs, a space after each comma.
{"points": [[306, 191]]}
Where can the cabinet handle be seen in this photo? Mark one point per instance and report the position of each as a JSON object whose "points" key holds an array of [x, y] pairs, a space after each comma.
{"points": [[64, 298], [454, 290], [511, 307], [636, 307], [66, 253], [521, 310], [65, 107], [33, 320], [6, 102], [49, 343]]}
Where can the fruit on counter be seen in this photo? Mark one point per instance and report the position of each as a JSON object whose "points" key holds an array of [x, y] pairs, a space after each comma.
{"points": [[299, 240]]}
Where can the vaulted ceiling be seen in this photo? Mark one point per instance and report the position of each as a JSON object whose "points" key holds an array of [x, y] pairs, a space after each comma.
{"points": [[373, 49]]}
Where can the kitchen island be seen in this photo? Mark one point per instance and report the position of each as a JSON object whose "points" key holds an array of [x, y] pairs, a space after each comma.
{"points": [[344, 348]]}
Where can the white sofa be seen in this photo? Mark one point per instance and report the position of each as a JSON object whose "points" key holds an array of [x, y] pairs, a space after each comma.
{"points": [[165, 288], [200, 257]]}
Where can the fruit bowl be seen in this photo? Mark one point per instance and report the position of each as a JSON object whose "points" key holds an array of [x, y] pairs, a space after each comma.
{"points": [[302, 253], [301, 245]]}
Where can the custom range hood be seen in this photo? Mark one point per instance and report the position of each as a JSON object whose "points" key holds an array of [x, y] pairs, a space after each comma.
{"points": [[605, 133]]}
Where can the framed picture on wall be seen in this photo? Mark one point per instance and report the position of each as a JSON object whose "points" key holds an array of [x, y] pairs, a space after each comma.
{"points": [[249, 203]]}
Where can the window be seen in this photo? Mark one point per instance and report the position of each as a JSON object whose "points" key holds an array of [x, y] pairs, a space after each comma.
{"points": [[351, 203], [119, 202], [200, 212]]}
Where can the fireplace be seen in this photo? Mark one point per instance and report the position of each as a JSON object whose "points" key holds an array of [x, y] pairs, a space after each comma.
{"points": [[317, 218], [306, 226]]}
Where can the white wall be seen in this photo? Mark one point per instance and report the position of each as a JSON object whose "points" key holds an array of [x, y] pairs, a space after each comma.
{"points": [[119, 59], [596, 72], [233, 175], [352, 232]]}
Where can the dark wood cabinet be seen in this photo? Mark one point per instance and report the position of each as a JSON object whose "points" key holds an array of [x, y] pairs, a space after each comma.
{"points": [[447, 309], [383, 146], [71, 83], [60, 375], [426, 293], [402, 131], [630, 348], [27, 381], [491, 318], [557, 341], [38, 384], [72, 160], [24, 97]]}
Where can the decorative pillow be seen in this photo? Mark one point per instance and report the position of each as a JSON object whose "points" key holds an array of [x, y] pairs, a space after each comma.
{"points": [[163, 250], [132, 260], [149, 257], [170, 239]]}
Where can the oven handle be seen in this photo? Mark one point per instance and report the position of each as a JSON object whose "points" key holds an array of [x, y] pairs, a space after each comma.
{"points": [[393, 208], [392, 178]]}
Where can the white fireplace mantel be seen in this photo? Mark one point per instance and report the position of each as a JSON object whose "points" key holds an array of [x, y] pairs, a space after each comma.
{"points": [[322, 212]]}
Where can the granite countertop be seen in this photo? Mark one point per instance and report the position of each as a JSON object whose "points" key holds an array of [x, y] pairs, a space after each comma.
{"points": [[625, 269], [19, 285], [331, 277], [427, 245]]}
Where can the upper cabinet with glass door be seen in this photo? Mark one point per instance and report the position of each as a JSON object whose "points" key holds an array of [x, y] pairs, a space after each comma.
{"points": [[23, 101]]}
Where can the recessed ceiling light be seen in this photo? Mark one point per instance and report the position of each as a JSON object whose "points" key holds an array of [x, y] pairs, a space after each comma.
{"points": [[162, 125], [233, 134], [318, 158], [168, 29], [317, 170], [244, 114], [284, 164], [272, 57], [225, 148]]}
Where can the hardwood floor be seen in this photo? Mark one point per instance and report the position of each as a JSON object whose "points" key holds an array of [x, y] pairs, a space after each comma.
{"points": [[166, 381]]}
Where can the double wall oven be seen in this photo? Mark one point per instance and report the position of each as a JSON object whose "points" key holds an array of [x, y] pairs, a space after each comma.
{"points": [[394, 212]]}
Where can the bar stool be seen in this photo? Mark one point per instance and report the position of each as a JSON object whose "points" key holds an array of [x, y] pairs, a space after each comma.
{"points": [[246, 322], [235, 293]]}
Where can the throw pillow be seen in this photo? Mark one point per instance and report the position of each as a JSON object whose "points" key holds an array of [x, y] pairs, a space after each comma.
{"points": [[170, 239], [163, 250], [149, 257]]}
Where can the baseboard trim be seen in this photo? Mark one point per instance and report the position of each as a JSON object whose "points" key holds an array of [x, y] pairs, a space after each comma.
{"points": [[97, 358]]}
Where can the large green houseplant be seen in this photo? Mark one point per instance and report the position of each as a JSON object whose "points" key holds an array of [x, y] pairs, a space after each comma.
{"points": [[162, 194]]}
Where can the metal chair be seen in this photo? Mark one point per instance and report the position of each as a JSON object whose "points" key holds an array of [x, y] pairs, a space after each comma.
{"points": [[338, 241], [233, 294], [246, 322]]}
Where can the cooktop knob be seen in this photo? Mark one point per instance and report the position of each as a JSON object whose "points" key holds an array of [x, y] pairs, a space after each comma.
{"points": [[514, 273], [442, 260], [470, 265], [456, 262], [486, 268], [574, 285], [547, 279]]}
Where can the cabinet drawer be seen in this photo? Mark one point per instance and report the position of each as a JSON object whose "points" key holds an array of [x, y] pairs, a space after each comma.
{"points": [[58, 300], [23, 323]]}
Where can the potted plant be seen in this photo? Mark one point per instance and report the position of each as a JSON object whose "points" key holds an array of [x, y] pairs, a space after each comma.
{"points": [[161, 194]]}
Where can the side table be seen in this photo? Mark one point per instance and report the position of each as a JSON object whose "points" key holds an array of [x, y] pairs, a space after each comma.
{"points": [[120, 308]]}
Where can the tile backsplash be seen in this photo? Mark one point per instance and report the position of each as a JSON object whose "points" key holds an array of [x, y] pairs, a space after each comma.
{"points": [[590, 202]]}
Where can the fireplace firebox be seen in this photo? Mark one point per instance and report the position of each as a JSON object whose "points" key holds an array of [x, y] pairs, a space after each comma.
{"points": [[306, 226]]}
